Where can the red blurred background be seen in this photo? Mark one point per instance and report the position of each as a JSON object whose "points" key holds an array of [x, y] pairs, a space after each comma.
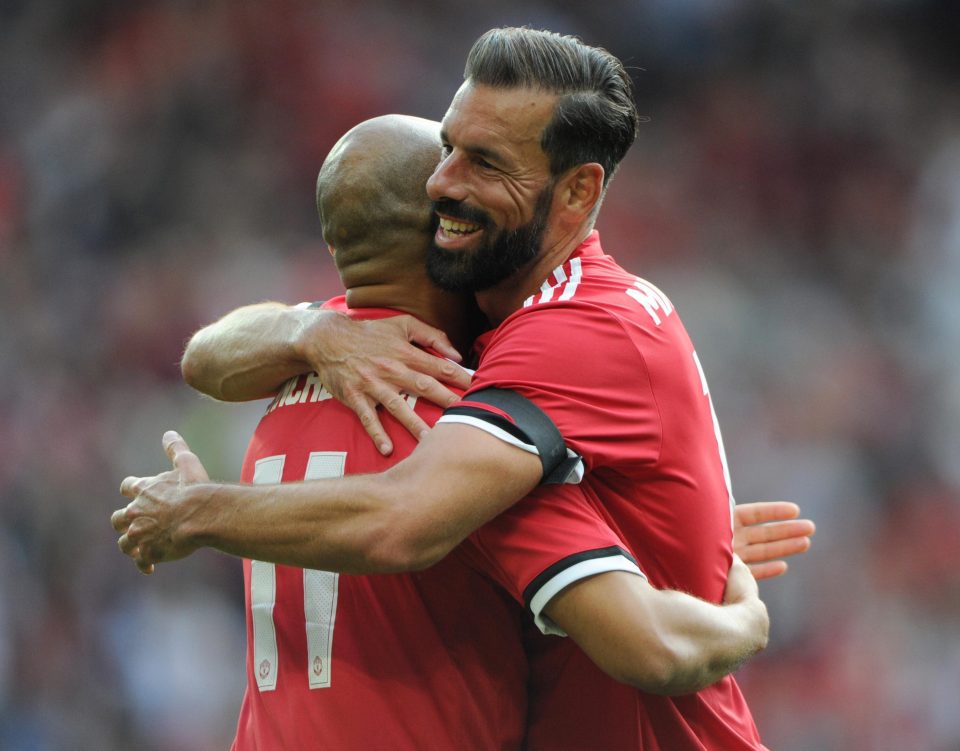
{"points": [[796, 191]]}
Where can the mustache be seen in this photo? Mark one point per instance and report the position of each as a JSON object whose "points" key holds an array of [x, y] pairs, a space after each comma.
{"points": [[459, 210]]}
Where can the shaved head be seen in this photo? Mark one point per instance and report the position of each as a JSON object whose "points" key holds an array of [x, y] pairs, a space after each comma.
{"points": [[371, 196], [379, 222]]}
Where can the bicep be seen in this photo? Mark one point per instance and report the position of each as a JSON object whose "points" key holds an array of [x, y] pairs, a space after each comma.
{"points": [[458, 478], [613, 618], [246, 354]]}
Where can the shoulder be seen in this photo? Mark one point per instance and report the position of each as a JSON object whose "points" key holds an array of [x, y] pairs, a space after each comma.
{"points": [[557, 326], [593, 292], [613, 318]]}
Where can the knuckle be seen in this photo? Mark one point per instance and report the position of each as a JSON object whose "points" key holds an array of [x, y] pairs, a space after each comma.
{"points": [[356, 400], [394, 403]]}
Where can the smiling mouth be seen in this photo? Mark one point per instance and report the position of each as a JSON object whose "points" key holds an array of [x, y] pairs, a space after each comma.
{"points": [[458, 228]]}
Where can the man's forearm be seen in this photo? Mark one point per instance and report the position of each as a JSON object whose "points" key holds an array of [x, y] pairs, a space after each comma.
{"points": [[404, 519], [704, 642], [662, 642], [352, 525], [249, 352]]}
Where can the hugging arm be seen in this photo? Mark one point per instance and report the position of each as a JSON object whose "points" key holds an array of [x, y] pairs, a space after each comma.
{"points": [[411, 516], [404, 519], [662, 641], [252, 351]]}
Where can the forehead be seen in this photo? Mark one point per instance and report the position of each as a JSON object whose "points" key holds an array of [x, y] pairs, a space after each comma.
{"points": [[502, 119]]}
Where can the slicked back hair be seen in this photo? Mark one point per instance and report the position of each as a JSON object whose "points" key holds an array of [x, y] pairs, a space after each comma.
{"points": [[596, 116]]}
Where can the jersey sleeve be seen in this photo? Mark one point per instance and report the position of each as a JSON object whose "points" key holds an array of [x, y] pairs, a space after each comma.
{"points": [[516, 420], [549, 540], [549, 355]]}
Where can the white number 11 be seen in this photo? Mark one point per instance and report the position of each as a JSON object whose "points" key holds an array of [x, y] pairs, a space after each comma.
{"points": [[319, 589]]}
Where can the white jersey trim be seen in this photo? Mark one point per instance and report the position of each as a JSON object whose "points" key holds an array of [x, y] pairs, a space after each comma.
{"points": [[576, 474], [566, 285], [492, 430], [578, 571]]}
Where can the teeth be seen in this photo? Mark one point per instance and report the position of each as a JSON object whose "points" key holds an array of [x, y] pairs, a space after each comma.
{"points": [[451, 226]]}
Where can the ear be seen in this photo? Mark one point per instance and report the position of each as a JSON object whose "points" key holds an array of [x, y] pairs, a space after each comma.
{"points": [[333, 250], [581, 189]]}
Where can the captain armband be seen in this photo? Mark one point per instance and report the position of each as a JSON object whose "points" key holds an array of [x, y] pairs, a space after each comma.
{"points": [[527, 426]]}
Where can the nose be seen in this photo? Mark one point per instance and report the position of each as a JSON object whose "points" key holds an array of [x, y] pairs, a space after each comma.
{"points": [[447, 179]]}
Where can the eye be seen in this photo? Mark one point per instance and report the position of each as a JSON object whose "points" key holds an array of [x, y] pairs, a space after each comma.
{"points": [[484, 164], [445, 150]]}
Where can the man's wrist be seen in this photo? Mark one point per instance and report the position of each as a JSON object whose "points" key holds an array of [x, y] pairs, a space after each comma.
{"points": [[200, 511], [309, 333]]}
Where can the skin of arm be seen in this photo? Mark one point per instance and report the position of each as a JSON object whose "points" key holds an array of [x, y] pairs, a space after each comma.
{"points": [[661, 641], [406, 518], [250, 352], [410, 517]]}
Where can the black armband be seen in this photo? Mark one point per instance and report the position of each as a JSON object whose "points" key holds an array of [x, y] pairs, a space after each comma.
{"points": [[530, 425]]}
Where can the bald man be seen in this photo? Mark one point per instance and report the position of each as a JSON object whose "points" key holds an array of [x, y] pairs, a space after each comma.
{"points": [[429, 660]]}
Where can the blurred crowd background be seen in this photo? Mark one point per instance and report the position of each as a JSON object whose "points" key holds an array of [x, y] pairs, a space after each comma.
{"points": [[795, 190]]}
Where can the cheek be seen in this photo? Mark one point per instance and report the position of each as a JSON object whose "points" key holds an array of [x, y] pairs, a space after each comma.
{"points": [[517, 203]]}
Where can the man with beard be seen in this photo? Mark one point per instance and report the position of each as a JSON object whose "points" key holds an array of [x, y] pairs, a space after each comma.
{"points": [[588, 371]]}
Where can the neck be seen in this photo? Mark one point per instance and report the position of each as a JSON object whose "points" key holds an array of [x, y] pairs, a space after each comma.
{"points": [[507, 297], [453, 314]]}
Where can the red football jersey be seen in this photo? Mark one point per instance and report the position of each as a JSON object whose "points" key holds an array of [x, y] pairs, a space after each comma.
{"points": [[605, 355], [428, 660]]}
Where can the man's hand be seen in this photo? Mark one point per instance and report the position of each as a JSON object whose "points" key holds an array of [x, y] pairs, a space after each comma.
{"points": [[252, 351], [147, 525], [369, 363], [765, 531]]}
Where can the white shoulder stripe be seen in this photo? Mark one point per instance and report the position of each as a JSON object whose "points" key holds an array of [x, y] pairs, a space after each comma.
{"points": [[578, 571], [566, 285], [546, 292], [576, 274]]}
